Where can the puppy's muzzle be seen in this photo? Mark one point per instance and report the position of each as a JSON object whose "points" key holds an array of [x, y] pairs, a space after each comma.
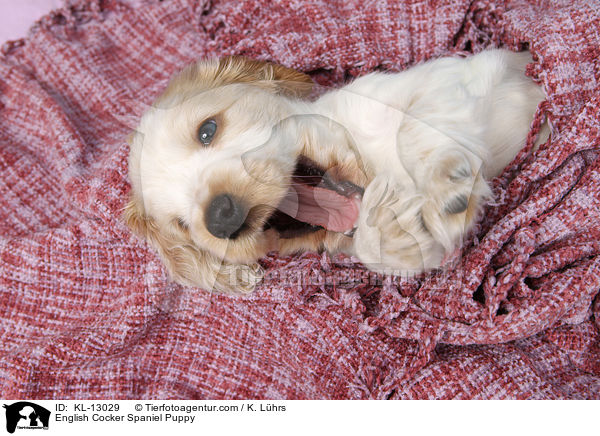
{"points": [[225, 216]]}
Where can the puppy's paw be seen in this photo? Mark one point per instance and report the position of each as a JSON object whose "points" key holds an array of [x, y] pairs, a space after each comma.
{"points": [[391, 236], [238, 278], [454, 195]]}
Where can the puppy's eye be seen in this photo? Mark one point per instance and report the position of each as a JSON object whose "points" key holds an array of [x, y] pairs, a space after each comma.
{"points": [[207, 131]]}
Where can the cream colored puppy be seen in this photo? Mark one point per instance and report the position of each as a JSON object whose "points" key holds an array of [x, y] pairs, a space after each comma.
{"points": [[232, 162]]}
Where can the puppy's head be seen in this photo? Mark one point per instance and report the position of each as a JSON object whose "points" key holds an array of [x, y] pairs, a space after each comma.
{"points": [[209, 163]]}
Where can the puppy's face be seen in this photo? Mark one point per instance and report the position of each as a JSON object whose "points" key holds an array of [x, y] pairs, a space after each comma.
{"points": [[215, 165], [210, 163]]}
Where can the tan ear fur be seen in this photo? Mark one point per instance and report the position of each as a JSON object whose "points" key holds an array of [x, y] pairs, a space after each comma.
{"points": [[210, 74], [185, 262], [285, 80], [135, 218]]}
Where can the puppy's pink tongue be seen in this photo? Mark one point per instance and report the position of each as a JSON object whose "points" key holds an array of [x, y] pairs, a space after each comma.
{"points": [[320, 207]]}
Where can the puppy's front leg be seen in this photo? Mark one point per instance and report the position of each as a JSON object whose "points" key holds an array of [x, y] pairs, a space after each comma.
{"points": [[391, 236], [454, 192]]}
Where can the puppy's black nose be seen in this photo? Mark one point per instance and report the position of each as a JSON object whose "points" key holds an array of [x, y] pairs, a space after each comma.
{"points": [[224, 216]]}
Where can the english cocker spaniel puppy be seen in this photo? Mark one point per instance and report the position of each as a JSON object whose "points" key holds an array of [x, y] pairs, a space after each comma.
{"points": [[234, 161]]}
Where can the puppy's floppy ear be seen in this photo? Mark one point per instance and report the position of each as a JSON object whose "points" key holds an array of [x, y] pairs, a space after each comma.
{"points": [[186, 263], [210, 74], [135, 218], [279, 78]]}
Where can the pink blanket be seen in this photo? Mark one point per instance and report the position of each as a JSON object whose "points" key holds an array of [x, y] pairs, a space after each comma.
{"points": [[87, 310]]}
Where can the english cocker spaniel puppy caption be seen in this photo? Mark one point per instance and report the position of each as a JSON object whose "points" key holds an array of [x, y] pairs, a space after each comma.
{"points": [[234, 160]]}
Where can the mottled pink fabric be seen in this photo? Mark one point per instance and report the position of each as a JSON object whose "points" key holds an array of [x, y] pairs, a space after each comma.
{"points": [[87, 309]]}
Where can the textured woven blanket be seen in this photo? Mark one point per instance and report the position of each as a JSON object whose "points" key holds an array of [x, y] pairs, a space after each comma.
{"points": [[87, 310]]}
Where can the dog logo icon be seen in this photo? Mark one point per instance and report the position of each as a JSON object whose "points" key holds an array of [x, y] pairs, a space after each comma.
{"points": [[26, 415]]}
